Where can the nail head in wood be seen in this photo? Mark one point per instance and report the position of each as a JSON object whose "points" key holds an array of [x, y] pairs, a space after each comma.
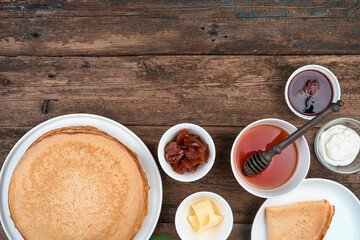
{"points": [[45, 106]]}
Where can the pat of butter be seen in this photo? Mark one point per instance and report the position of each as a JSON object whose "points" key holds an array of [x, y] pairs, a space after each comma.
{"points": [[204, 217]]}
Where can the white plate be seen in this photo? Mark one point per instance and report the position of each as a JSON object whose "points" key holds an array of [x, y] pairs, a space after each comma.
{"points": [[346, 220], [109, 126]]}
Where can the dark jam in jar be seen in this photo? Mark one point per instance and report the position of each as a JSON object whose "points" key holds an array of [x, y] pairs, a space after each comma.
{"points": [[310, 92], [262, 138]]}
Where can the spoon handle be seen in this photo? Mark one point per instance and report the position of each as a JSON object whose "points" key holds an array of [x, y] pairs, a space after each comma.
{"points": [[333, 107]]}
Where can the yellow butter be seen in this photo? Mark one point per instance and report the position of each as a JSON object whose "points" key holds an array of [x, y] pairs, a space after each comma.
{"points": [[204, 217]]}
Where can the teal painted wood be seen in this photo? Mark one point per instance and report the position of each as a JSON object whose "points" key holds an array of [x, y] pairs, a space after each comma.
{"points": [[98, 28]]}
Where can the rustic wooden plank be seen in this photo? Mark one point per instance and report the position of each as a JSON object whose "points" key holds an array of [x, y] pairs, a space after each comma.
{"points": [[239, 231], [313, 9], [219, 180], [162, 90], [2, 233], [53, 28]]}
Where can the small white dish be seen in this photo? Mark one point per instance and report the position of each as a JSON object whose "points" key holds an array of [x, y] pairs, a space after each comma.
{"points": [[347, 122], [345, 223], [218, 232], [330, 76], [203, 168], [296, 178]]}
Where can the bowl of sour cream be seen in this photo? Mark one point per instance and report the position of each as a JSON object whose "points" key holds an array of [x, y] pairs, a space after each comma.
{"points": [[337, 145]]}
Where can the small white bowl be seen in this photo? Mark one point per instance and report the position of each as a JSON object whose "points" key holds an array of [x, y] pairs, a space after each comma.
{"points": [[296, 178], [203, 168], [218, 232], [333, 81], [347, 122]]}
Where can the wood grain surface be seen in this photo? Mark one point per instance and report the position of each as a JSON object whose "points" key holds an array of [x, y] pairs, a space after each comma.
{"points": [[98, 28], [162, 90], [152, 64], [149, 94]]}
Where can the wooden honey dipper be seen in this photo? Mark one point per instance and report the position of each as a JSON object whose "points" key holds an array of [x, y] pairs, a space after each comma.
{"points": [[259, 161]]}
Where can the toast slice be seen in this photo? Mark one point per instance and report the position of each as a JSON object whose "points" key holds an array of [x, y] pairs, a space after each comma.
{"points": [[299, 221]]}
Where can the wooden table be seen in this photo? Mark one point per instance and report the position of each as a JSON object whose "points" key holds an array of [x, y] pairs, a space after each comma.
{"points": [[152, 64]]}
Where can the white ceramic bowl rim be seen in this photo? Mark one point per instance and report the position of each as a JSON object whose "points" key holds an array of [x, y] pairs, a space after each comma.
{"points": [[203, 169], [332, 78], [297, 177]]}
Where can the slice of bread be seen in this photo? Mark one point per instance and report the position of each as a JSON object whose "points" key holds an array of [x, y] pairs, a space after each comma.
{"points": [[299, 221]]}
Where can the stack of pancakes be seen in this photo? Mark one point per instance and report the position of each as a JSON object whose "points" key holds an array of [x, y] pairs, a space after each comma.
{"points": [[78, 183]]}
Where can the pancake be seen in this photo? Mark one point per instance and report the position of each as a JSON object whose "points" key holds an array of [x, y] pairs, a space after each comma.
{"points": [[78, 183], [304, 220]]}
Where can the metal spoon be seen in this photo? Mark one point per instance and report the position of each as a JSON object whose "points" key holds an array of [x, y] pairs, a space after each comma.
{"points": [[259, 161]]}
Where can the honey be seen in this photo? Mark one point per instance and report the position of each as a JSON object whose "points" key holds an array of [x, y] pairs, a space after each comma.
{"points": [[262, 138]]}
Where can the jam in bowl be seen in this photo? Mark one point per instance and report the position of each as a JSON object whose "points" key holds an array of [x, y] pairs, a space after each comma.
{"points": [[310, 90], [177, 166]]}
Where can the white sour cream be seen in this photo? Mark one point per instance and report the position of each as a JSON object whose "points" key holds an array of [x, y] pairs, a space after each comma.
{"points": [[339, 145]]}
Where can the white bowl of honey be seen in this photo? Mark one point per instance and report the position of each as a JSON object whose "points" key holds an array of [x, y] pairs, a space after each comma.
{"points": [[286, 170]]}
